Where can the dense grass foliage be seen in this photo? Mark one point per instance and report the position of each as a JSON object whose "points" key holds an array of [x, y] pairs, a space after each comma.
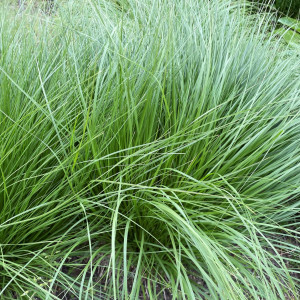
{"points": [[149, 149]]}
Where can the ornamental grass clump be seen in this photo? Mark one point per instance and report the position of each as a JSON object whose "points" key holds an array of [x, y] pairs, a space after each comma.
{"points": [[149, 150]]}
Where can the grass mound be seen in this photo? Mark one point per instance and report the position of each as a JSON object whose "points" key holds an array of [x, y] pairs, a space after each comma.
{"points": [[149, 150]]}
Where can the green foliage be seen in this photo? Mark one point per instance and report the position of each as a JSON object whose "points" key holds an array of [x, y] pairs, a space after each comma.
{"points": [[149, 149], [284, 7], [290, 7], [290, 32], [291, 23]]}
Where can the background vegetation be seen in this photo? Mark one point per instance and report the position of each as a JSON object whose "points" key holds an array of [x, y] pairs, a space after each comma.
{"points": [[291, 7]]}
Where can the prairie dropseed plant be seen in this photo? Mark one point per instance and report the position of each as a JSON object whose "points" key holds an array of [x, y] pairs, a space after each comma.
{"points": [[149, 150]]}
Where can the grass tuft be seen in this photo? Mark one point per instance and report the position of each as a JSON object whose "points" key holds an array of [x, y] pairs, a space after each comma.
{"points": [[149, 150]]}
